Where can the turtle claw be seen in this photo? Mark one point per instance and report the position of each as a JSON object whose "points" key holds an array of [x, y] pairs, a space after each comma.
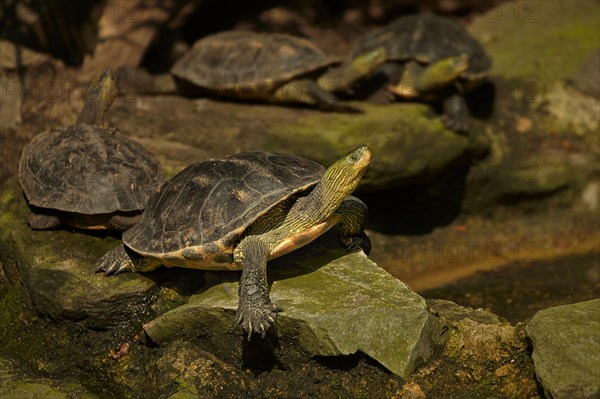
{"points": [[357, 243], [457, 125], [114, 262], [257, 320], [352, 243]]}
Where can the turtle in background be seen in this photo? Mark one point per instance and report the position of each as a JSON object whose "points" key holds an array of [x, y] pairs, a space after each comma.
{"points": [[267, 67], [429, 57], [86, 176], [239, 212]]}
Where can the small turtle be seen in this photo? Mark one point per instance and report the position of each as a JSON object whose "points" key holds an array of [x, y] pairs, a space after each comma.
{"points": [[86, 176], [429, 57], [238, 213], [271, 67]]}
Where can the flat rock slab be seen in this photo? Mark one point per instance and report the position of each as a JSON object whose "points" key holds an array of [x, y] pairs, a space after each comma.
{"points": [[566, 349], [337, 304]]}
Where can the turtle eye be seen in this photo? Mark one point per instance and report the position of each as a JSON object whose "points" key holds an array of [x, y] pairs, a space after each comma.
{"points": [[354, 158]]}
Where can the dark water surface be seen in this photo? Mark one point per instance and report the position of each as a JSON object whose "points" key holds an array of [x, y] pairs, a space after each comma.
{"points": [[517, 291]]}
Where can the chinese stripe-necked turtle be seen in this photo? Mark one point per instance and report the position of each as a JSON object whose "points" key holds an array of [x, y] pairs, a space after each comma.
{"points": [[429, 57], [86, 176], [239, 212], [272, 67]]}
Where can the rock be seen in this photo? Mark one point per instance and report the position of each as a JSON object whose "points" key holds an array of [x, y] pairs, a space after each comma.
{"points": [[485, 357], [479, 333], [514, 176], [14, 384], [409, 143], [569, 110], [126, 30], [197, 373], [338, 305], [334, 304], [537, 40], [587, 77], [554, 154], [56, 267], [566, 343], [19, 75]]}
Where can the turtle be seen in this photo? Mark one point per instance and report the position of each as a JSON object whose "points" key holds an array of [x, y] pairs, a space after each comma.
{"points": [[237, 213], [86, 176], [272, 67], [429, 57]]}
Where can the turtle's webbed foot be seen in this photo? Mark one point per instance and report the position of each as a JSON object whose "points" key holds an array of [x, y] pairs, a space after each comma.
{"points": [[257, 319], [115, 261], [382, 97], [456, 113], [357, 242], [352, 243], [338, 106], [460, 125]]}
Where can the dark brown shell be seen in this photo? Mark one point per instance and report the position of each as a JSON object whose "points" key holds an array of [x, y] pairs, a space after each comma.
{"points": [[235, 57], [426, 38], [205, 208], [88, 170]]}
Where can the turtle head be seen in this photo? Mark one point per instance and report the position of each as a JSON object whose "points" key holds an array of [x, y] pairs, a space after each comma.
{"points": [[366, 63], [98, 98], [418, 78], [342, 178], [445, 71], [345, 76]]}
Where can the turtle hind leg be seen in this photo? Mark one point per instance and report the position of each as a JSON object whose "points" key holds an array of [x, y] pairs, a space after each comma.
{"points": [[307, 91], [43, 221], [123, 222], [122, 259], [456, 112], [330, 103], [255, 312]]}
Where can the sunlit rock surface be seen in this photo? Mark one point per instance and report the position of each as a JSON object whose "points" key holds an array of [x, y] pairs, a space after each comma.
{"points": [[333, 305], [566, 348]]}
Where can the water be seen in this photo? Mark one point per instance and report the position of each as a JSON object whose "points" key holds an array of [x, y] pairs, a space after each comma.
{"points": [[517, 291]]}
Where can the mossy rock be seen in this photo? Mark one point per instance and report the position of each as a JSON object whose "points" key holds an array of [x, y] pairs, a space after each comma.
{"points": [[334, 304], [566, 343], [408, 140], [14, 384], [540, 40], [56, 267]]}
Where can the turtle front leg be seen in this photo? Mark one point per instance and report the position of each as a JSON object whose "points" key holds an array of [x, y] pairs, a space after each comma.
{"points": [[354, 216], [376, 88], [255, 312], [456, 112]]}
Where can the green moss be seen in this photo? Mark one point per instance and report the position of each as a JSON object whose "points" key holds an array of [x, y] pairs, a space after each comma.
{"points": [[13, 326], [53, 296], [541, 41], [408, 140], [334, 134], [34, 390]]}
